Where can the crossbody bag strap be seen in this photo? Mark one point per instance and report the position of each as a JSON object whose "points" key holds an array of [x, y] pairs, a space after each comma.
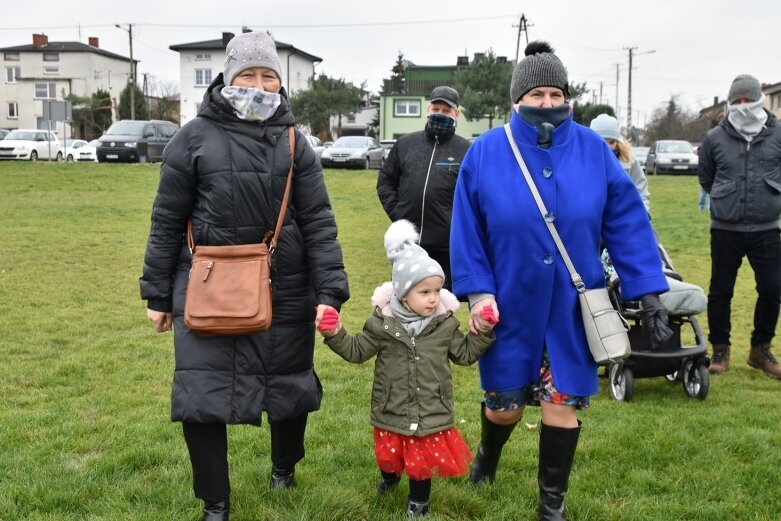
{"points": [[272, 240], [576, 280], [291, 134]]}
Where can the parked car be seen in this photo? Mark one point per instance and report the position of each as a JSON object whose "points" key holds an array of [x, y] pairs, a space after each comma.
{"points": [[316, 144], [386, 145], [641, 154], [672, 157], [31, 144], [80, 150], [135, 141], [354, 151]]}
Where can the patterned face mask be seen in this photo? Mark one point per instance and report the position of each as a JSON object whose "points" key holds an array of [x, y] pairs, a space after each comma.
{"points": [[441, 123], [252, 104]]}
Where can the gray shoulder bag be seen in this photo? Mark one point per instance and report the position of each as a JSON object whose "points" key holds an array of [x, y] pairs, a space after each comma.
{"points": [[606, 330]]}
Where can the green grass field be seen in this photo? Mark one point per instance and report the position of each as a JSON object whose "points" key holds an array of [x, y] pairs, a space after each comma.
{"points": [[84, 393]]}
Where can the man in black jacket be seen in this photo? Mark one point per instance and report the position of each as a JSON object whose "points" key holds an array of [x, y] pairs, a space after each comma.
{"points": [[419, 176], [740, 166]]}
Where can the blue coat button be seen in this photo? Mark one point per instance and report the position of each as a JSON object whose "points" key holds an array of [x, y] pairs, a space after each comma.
{"points": [[548, 259], [547, 172]]}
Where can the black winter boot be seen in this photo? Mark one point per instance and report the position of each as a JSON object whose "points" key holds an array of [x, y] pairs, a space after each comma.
{"points": [[557, 450], [388, 482], [216, 511], [492, 438]]}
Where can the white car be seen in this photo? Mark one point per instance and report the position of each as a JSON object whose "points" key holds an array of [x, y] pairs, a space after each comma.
{"points": [[316, 145], [80, 150], [30, 144]]}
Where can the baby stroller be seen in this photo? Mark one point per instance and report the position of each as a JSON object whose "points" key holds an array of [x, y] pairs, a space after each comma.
{"points": [[673, 360]]}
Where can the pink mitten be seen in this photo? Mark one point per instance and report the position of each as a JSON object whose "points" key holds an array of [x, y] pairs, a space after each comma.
{"points": [[329, 320], [487, 314]]}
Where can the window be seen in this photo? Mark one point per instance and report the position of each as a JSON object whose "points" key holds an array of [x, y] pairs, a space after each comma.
{"points": [[41, 124], [51, 56], [203, 77], [11, 73], [51, 70], [11, 56], [97, 74], [203, 56], [45, 90], [407, 108], [13, 110]]}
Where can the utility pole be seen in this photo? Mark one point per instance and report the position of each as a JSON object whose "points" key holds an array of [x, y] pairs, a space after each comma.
{"points": [[132, 80], [618, 112], [523, 26], [600, 92], [629, 93]]}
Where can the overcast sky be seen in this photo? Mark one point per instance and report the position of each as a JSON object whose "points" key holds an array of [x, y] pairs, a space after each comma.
{"points": [[698, 47]]}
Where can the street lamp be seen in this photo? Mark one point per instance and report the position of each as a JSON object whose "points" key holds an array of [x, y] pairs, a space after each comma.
{"points": [[132, 71], [629, 95]]}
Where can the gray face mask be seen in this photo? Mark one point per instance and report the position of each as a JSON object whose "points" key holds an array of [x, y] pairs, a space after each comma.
{"points": [[748, 118], [252, 104]]}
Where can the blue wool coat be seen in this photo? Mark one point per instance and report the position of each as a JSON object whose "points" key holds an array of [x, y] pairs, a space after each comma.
{"points": [[499, 244]]}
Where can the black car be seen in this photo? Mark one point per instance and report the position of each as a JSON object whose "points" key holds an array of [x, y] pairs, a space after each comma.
{"points": [[135, 141]]}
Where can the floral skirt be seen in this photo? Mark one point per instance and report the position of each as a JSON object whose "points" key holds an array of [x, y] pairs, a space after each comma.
{"points": [[443, 454]]}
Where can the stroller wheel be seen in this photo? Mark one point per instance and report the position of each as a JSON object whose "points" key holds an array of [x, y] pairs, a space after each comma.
{"points": [[622, 386], [672, 377], [695, 379]]}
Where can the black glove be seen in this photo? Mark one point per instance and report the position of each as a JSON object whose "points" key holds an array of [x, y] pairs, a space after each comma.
{"points": [[655, 320]]}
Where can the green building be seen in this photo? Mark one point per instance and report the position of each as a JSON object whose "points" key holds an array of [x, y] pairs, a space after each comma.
{"points": [[403, 104]]}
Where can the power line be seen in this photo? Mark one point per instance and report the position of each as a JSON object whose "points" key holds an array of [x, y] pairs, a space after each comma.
{"points": [[279, 26]]}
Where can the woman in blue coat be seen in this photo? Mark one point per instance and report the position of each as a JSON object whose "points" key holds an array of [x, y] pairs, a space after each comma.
{"points": [[503, 255]]}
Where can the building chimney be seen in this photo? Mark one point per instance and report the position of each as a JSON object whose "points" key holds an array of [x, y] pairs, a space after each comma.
{"points": [[94, 42], [462, 61], [715, 100], [39, 40], [226, 37]]}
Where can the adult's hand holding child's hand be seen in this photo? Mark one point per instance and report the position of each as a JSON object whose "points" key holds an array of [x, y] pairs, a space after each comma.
{"points": [[483, 316], [328, 321]]}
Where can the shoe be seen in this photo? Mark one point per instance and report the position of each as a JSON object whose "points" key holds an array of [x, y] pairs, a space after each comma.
{"points": [[417, 508], [386, 485], [216, 511], [719, 362], [760, 357], [281, 478]]}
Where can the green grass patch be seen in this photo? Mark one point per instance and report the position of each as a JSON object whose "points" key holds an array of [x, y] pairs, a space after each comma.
{"points": [[84, 396]]}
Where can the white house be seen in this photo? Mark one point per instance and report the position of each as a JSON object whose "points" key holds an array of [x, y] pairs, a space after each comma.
{"points": [[201, 62], [51, 70]]}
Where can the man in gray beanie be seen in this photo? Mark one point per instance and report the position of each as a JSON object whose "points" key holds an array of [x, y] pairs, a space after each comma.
{"points": [[738, 166]]}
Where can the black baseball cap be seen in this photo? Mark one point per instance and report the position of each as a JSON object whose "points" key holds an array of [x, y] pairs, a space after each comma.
{"points": [[447, 94]]}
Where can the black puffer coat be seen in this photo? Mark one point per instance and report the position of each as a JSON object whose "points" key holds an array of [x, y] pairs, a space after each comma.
{"points": [[229, 175]]}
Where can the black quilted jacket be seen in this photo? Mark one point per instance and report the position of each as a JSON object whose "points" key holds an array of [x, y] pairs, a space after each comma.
{"points": [[229, 175]]}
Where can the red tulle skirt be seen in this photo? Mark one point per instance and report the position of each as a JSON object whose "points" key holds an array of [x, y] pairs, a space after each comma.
{"points": [[443, 454]]}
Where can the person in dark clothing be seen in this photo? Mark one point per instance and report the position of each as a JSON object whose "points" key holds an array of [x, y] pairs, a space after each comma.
{"points": [[226, 171], [740, 167], [418, 179]]}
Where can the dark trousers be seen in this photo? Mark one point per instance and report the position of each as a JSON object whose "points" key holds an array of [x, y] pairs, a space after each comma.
{"points": [[763, 250], [207, 444], [442, 256]]}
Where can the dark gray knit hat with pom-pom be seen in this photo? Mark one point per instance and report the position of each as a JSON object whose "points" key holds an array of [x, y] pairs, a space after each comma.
{"points": [[540, 68]]}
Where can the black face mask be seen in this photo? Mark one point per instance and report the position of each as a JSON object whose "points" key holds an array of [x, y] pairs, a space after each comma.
{"points": [[615, 151], [544, 120]]}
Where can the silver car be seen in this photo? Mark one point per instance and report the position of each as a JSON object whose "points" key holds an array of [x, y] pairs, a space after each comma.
{"points": [[353, 151], [671, 157]]}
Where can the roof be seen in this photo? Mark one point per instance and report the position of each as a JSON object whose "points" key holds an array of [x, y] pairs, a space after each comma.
{"points": [[218, 44], [64, 47]]}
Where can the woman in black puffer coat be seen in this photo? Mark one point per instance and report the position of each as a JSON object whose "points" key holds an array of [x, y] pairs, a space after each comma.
{"points": [[226, 170]]}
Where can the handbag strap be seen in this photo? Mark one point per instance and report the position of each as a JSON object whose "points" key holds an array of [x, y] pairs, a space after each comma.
{"points": [[271, 239], [576, 280]]}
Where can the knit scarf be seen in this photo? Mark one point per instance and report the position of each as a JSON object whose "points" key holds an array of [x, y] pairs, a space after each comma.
{"points": [[413, 323], [748, 118]]}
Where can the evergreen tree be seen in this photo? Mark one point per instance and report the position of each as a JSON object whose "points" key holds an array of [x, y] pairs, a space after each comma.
{"points": [[326, 97], [140, 102], [483, 87]]}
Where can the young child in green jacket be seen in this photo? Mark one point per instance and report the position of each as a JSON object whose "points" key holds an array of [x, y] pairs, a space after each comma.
{"points": [[414, 334]]}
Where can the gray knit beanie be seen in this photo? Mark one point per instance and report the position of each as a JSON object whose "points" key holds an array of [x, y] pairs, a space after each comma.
{"points": [[606, 126], [540, 68], [744, 86], [411, 264], [249, 50]]}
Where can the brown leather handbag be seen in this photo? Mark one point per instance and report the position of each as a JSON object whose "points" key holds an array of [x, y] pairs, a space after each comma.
{"points": [[229, 291]]}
